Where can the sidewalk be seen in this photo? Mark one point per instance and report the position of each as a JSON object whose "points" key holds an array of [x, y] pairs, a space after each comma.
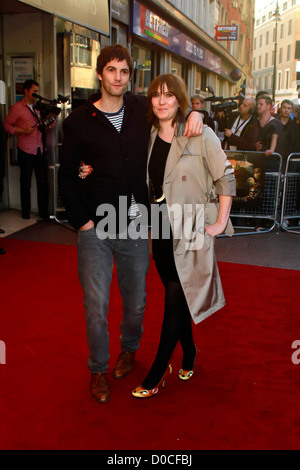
{"points": [[276, 249]]}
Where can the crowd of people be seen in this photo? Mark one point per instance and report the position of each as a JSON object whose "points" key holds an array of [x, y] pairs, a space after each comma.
{"points": [[256, 126]]}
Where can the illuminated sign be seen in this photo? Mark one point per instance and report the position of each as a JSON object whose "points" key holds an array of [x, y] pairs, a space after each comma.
{"points": [[151, 26], [226, 33]]}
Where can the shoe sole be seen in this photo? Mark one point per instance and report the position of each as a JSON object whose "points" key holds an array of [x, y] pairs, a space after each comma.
{"points": [[121, 376], [100, 401]]}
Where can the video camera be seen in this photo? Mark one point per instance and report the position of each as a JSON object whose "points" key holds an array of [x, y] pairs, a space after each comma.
{"points": [[49, 107], [226, 104]]}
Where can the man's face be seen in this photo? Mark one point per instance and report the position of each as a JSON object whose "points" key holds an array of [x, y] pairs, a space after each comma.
{"points": [[262, 106], [286, 110], [28, 94], [245, 108], [115, 77], [197, 104]]}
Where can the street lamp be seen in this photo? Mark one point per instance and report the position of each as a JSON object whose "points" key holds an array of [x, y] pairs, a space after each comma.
{"points": [[276, 18]]}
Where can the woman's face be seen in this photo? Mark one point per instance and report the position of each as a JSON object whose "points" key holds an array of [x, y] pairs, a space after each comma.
{"points": [[164, 104]]}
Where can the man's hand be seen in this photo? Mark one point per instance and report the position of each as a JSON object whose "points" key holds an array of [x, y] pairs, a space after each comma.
{"points": [[228, 132], [268, 152], [25, 131], [258, 146], [87, 226], [194, 125]]}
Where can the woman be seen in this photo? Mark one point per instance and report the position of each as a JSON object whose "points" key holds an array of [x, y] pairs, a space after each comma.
{"points": [[184, 175]]}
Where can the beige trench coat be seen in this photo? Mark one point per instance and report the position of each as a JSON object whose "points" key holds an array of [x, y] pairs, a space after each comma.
{"points": [[196, 171]]}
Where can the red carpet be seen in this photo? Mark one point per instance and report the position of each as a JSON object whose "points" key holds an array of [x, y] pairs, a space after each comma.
{"points": [[245, 394]]}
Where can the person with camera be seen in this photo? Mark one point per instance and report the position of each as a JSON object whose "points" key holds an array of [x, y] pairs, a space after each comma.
{"points": [[244, 132], [198, 103], [24, 122]]}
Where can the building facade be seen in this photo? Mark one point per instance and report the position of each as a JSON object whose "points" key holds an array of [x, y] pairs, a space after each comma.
{"points": [[283, 37], [57, 44]]}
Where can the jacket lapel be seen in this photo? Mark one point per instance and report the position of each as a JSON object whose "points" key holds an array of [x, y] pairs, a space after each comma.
{"points": [[178, 144]]}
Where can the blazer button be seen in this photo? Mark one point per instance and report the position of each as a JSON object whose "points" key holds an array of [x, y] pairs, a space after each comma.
{"points": [[183, 178]]}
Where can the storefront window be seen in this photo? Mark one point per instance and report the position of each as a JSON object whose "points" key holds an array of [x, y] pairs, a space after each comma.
{"points": [[81, 49], [198, 82], [176, 68], [142, 69]]}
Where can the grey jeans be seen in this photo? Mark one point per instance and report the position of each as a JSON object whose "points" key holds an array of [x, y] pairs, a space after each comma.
{"points": [[95, 264]]}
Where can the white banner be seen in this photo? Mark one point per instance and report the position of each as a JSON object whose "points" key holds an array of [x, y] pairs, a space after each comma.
{"points": [[93, 14]]}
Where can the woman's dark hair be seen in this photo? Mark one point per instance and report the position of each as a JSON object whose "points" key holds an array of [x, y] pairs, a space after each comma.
{"points": [[176, 86], [110, 53]]}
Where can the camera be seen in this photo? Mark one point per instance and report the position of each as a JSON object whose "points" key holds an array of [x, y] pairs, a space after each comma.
{"points": [[227, 105], [49, 107]]}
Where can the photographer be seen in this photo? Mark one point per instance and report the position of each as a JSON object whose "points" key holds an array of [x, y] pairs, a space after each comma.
{"points": [[24, 121], [198, 103], [244, 133]]}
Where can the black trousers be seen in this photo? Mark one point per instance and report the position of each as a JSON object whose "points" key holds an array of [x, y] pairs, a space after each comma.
{"points": [[39, 164], [177, 323]]}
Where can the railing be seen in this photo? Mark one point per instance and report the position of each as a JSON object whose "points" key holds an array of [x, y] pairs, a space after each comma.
{"points": [[58, 207], [290, 210], [254, 211]]}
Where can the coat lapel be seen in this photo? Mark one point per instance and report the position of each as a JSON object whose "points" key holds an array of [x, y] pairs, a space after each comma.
{"points": [[178, 144], [176, 150]]}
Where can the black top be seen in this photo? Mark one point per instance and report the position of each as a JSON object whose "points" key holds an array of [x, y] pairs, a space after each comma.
{"points": [[162, 243], [274, 126], [118, 159], [157, 165]]}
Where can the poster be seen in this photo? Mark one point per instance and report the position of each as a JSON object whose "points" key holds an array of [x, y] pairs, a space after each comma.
{"points": [[22, 71], [249, 170]]}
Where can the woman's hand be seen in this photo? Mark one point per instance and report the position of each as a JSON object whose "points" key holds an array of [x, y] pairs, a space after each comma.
{"points": [[194, 125], [84, 170], [215, 229], [223, 215]]}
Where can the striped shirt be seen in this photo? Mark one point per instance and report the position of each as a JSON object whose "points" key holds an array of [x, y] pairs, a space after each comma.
{"points": [[116, 120]]}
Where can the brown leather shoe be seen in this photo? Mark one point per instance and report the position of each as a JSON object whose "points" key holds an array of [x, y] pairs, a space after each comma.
{"points": [[99, 387], [124, 364]]}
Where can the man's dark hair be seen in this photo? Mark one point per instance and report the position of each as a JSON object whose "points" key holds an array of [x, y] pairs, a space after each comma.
{"points": [[261, 93], [267, 99], [286, 101], [28, 84], [110, 53]]}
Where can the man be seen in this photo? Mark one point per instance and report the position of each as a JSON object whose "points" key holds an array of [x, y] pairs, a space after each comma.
{"points": [[198, 103], [24, 121], [285, 139], [244, 132], [110, 133], [270, 127]]}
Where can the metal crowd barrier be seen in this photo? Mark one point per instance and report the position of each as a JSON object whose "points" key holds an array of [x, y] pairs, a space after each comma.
{"points": [[257, 214], [277, 204], [59, 212], [290, 209]]}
